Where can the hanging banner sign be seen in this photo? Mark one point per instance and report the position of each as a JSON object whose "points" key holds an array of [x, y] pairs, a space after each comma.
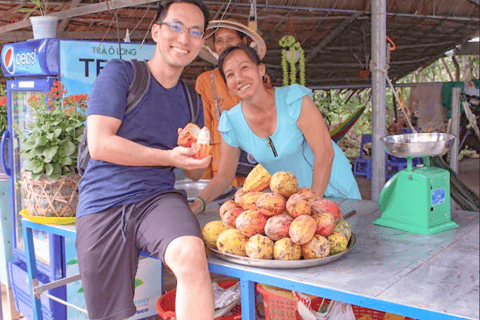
{"points": [[29, 58], [81, 61]]}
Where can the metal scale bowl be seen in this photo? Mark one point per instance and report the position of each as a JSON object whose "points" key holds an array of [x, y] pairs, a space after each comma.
{"points": [[417, 199]]}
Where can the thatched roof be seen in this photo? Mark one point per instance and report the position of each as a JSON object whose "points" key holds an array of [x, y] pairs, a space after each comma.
{"points": [[335, 34]]}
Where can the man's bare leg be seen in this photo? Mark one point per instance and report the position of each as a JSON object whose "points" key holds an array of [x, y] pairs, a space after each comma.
{"points": [[186, 257]]}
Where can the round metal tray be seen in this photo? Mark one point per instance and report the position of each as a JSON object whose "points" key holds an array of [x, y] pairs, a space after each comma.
{"points": [[194, 188], [282, 264]]}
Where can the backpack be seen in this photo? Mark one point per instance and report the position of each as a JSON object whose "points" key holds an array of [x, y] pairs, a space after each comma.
{"points": [[136, 91]]}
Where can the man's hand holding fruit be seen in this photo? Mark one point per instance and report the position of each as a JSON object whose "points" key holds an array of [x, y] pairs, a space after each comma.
{"points": [[193, 153]]}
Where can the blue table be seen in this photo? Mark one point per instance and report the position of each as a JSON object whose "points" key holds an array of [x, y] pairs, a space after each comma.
{"points": [[423, 277]]}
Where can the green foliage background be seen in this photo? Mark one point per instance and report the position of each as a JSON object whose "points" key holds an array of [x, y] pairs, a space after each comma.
{"points": [[337, 105]]}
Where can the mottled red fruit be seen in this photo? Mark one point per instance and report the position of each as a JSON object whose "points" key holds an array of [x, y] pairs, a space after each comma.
{"points": [[278, 226], [229, 212], [238, 194], [307, 193], [318, 247], [327, 205], [298, 205], [302, 229], [325, 223], [271, 204], [251, 222]]}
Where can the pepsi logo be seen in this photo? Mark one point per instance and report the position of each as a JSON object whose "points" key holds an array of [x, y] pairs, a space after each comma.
{"points": [[9, 61]]}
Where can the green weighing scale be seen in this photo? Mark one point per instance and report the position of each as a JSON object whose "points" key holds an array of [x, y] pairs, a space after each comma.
{"points": [[417, 199]]}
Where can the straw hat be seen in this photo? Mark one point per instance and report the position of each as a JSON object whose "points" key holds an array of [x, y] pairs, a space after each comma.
{"points": [[207, 53]]}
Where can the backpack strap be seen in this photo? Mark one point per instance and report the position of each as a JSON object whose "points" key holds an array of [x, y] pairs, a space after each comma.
{"points": [[139, 85], [136, 91], [193, 101]]}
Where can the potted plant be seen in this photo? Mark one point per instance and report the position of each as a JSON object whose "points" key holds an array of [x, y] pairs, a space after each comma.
{"points": [[43, 26], [49, 175]]}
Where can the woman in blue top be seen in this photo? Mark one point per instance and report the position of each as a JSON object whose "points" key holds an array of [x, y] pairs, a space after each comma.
{"points": [[281, 128]]}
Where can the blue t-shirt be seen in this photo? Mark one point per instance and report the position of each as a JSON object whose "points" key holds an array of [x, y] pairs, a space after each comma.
{"points": [[153, 123], [294, 153]]}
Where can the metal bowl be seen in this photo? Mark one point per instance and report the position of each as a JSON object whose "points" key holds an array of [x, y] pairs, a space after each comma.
{"points": [[417, 144]]}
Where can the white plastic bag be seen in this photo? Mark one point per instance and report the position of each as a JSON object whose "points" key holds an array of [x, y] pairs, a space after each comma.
{"points": [[336, 311]]}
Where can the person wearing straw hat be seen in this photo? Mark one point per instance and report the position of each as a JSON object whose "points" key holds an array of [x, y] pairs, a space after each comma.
{"points": [[216, 97], [281, 127]]}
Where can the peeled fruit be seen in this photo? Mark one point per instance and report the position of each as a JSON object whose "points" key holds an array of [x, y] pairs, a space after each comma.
{"points": [[307, 193], [278, 226], [259, 247], [188, 135], [232, 241], [325, 223], [211, 231], [318, 247], [302, 229], [297, 205], [229, 211], [271, 204], [251, 222], [343, 227], [338, 243], [199, 138], [286, 249], [284, 183], [203, 150], [327, 205], [248, 201], [257, 180]]}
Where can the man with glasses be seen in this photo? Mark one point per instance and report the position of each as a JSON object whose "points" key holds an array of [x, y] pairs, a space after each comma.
{"points": [[127, 200]]}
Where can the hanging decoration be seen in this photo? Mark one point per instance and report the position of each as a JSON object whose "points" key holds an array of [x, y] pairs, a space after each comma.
{"points": [[292, 52], [252, 17]]}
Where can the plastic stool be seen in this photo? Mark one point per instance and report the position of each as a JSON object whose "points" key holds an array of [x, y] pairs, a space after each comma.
{"points": [[362, 166]]}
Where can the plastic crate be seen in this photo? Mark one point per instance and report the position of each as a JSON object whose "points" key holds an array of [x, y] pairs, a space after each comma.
{"points": [[361, 311], [280, 304], [166, 305]]}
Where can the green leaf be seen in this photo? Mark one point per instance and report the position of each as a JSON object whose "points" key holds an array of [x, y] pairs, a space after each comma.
{"points": [[54, 177], [69, 148], [80, 290], [57, 132], [37, 151], [57, 168], [49, 153], [38, 167], [138, 282], [41, 141], [67, 161], [36, 176], [48, 169], [72, 262]]}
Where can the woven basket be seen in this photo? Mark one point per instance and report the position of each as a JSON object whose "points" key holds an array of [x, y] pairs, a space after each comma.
{"points": [[51, 199]]}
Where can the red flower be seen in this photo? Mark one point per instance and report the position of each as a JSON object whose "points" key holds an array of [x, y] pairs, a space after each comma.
{"points": [[3, 101]]}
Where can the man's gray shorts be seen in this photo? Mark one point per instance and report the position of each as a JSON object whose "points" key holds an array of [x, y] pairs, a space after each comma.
{"points": [[108, 245]]}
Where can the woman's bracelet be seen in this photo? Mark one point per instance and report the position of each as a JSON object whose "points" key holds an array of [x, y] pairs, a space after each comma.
{"points": [[204, 203]]}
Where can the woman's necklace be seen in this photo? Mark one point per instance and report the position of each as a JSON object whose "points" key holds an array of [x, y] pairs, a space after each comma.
{"points": [[270, 144]]}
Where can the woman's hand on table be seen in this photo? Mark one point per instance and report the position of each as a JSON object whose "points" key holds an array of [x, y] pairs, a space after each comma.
{"points": [[196, 206]]}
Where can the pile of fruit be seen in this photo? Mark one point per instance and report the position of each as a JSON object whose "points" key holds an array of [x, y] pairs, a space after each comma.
{"points": [[283, 223]]}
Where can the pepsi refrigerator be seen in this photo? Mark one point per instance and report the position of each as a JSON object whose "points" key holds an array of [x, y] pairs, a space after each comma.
{"points": [[31, 67]]}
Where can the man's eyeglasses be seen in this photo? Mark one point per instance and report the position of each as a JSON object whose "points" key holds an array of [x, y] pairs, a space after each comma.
{"points": [[178, 27]]}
